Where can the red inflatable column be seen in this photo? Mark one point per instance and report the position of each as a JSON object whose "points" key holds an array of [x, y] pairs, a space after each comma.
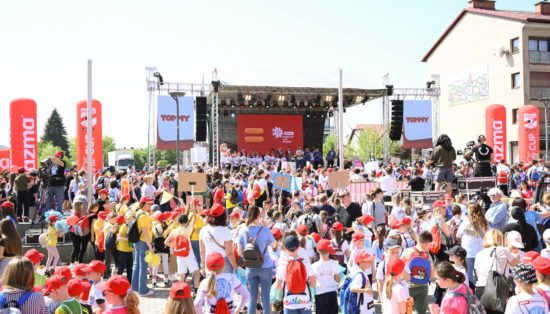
{"points": [[5, 163], [23, 136], [529, 133], [495, 130], [81, 138]]}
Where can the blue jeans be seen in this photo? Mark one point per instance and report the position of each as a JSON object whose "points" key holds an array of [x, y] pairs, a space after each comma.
{"points": [[196, 250], [297, 311], [139, 271], [59, 193], [470, 269], [259, 278]]}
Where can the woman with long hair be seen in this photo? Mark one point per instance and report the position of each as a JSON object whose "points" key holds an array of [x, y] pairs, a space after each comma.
{"points": [[18, 281], [529, 234], [442, 158], [447, 277], [10, 243], [259, 278], [470, 232], [79, 238], [216, 237]]}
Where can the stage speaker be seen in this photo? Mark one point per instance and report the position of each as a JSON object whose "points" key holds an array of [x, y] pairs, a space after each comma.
{"points": [[396, 126], [200, 119]]}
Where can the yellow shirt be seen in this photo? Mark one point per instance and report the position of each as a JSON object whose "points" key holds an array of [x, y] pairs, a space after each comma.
{"points": [[144, 221], [121, 209], [98, 228], [52, 236], [122, 243], [196, 221]]}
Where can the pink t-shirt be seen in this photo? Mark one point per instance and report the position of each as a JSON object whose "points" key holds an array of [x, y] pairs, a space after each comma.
{"points": [[455, 304], [117, 310]]}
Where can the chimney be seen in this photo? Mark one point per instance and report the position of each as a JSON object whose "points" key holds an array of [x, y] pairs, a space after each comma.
{"points": [[482, 4], [543, 8]]}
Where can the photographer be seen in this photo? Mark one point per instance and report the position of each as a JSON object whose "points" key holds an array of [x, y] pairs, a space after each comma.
{"points": [[57, 182], [483, 155], [23, 196]]}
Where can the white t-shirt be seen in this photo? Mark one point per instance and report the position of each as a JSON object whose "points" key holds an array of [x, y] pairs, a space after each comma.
{"points": [[324, 273], [226, 284], [463, 270], [368, 302], [399, 293], [387, 184], [148, 190], [526, 303], [220, 234], [398, 212], [545, 253], [471, 241], [295, 301], [96, 294], [484, 263], [352, 266]]}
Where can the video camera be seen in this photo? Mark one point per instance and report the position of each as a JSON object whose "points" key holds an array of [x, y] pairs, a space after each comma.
{"points": [[45, 171]]}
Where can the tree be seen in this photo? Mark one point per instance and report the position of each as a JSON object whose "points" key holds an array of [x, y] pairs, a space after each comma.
{"points": [[370, 146], [73, 151], [329, 143], [108, 146], [46, 150], [140, 158], [55, 132]]}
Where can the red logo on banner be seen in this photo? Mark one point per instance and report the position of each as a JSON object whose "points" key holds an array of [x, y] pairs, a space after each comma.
{"points": [[24, 148], [5, 159], [528, 133], [261, 133], [82, 138], [495, 130]]}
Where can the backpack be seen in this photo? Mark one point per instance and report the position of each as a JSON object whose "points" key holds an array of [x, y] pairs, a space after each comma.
{"points": [[13, 307], [181, 246], [534, 176], [110, 241], [350, 302], [419, 264], [134, 233], [338, 253], [256, 192], [310, 223], [502, 177], [497, 289], [252, 256], [452, 240], [435, 246], [82, 227], [100, 183], [158, 244], [296, 276], [474, 306], [234, 199], [222, 307]]}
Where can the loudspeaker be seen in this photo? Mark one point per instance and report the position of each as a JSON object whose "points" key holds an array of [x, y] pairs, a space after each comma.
{"points": [[200, 121], [396, 126]]}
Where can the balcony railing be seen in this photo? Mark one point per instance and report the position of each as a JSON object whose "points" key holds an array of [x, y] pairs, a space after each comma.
{"points": [[539, 92], [539, 57]]}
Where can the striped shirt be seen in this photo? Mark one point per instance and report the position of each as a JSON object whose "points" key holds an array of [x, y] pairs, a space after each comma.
{"points": [[34, 305]]}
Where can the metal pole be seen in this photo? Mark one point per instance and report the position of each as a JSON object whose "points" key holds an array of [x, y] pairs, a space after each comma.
{"points": [[149, 127], [340, 122], [177, 134], [89, 158], [546, 130]]}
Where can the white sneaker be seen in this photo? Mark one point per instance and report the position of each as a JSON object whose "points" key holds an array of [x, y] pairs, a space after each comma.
{"points": [[150, 293]]}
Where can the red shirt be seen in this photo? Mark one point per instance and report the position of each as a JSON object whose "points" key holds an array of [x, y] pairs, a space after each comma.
{"points": [[117, 310]]}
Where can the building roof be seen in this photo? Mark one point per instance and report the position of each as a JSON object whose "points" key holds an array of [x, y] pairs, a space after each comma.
{"points": [[378, 128], [519, 16]]}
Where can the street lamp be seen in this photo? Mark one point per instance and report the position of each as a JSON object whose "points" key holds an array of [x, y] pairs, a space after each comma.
{"points": [[545, 101], [176, 96]]}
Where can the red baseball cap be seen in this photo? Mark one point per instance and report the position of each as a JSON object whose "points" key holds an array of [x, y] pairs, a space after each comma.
{"points": [[302, 230], [366, 219], [103, 192], [125, 197], [75, 288], [215, 262], [34, 256], [117, 284], [530, 257], [180, 290], [542, 265], [316, 237], [406, 220], [363, 256], [215, 211], [395, 266], [357, 236], [79, 270], [449, 197], [235, 215], [439, 203], [95, 266], [337, 226], [53, 218], [175, 214], [59, 154], [120, 220], [277, 234], [7, 204], [63, 271], [55, 282], [396, 224], [21, 170], [86, 285], [146, 200], [325, 245], [103, 215]]}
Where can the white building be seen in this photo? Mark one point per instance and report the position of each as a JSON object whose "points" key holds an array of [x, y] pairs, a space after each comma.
{"points": [[488, 56]]}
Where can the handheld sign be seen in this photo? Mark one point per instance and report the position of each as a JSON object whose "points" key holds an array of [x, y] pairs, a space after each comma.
{"points": [[283, 181], [339, 179], [191, 182]]}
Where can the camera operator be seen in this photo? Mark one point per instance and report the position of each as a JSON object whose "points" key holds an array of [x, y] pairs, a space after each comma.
{"points": [[22, 184], [57, 182], [482, 153]]}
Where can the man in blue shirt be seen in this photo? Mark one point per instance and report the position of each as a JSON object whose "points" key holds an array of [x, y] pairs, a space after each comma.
{"points": [[497, 214]]}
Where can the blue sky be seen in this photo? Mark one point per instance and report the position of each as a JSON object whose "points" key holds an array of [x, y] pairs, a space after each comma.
{"points": [[46, 45]]}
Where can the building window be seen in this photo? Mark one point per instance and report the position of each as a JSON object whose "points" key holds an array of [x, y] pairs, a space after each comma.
{"points": [[514, 45], [538, 44], [515, 116], [516, 80]]}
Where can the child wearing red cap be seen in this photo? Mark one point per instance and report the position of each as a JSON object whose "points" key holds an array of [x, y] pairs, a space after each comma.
{"points": [[327, 272], [542, 266], [95, 271], [306, 241], [218, 288], [110, 229], [36, 257], [160, 233], [81, 275], [340, 244], [51, 244], [360, 282], [179, 299], [98, 237], [57, 288], [76, 290], [119, 296], [124, 251], [395, 292], [177, 242]]}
